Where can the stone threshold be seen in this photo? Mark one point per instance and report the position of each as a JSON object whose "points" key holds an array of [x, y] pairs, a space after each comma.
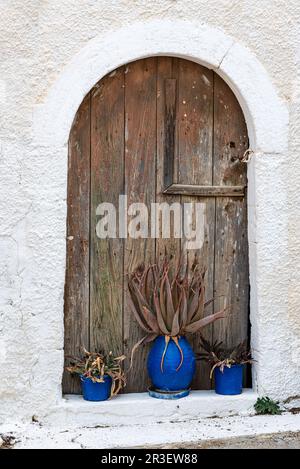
{"points": [[140, 408]]}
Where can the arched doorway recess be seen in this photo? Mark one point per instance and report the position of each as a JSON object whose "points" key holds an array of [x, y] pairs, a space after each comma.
{"points": [[154, 123]]}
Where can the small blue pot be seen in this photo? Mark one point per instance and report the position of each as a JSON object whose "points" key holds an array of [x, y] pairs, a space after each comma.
{"points": [[230, 382], [96, 391], [171, 378]]}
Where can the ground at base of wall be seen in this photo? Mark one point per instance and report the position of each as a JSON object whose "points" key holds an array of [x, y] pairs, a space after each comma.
{"points": [[282, 431], [286, 440]]}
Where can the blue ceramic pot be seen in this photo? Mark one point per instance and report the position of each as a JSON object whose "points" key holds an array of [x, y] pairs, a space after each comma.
{"points": [[171, 377], [230, 382], [96, 391]]}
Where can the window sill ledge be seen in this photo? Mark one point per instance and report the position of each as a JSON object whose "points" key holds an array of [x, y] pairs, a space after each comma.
{"points": [[137, 408]]}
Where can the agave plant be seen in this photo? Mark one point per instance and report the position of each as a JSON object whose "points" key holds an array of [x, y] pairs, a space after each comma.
{"points": [[169, 302], [95, 365], [217, 355]]}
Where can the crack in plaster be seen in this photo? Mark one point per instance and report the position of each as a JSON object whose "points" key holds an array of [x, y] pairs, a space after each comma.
{"points": [[225, 55]]}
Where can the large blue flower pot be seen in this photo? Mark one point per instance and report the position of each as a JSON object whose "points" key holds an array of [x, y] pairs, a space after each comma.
{"points": [[170, 378], [96, 391], [230, 382]]}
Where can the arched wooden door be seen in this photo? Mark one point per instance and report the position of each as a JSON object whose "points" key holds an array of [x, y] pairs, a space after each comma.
{"points": [[153, 124]]}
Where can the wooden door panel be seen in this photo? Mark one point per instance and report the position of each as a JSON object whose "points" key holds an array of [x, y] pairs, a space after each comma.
{"points": [[160, 129], [76, 319], [107, 182], [195, 150], [231, 247], [167, 147], [140, 167]]}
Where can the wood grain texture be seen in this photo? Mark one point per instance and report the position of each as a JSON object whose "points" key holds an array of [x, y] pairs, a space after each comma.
{"points": [[231, 247], [205, 191], [159, 130], [107, 182], [169, 124], [76, 319], [195, 154], [140, 167], [166, 150]]}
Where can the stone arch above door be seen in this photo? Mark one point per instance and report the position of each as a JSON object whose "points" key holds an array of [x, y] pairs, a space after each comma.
{"points": [[127, 129]]}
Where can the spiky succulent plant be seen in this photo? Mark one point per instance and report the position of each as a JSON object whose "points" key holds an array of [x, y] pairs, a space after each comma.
{"points": [[220, 356], [169, 302], [95, 366]]}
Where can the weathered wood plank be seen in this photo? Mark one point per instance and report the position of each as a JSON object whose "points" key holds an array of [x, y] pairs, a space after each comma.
{"points": [[231, 248], [169, 113], [107, 182], [206, 191], [166, 148], [76, 317], [140, 166], [195, 154]]}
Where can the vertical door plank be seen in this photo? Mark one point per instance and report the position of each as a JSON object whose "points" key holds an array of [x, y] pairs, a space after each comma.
{"points": [[167, 144], [107, 182], [77, 268], [140, 166], [168, 89], [195, 121], [231, 250]]}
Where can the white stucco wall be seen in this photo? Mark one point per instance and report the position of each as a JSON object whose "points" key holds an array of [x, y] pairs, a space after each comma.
{"points": [[51, 54]]}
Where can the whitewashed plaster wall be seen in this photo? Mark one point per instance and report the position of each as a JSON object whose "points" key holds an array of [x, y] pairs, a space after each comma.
{"points": [[39, 43]]}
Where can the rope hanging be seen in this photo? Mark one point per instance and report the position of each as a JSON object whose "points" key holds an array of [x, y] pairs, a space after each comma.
{"points": [[247, 156]]}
